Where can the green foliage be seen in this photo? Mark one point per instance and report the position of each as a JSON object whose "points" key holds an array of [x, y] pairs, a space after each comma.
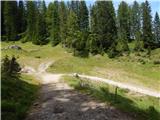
{"points": [[93, 44], [157, 30], [10, 19], [135, 19], [138, 42], [55, 31], [31, 21], [10, 67], [14, 91], [122, 45], [147, 25], [124, 19]]}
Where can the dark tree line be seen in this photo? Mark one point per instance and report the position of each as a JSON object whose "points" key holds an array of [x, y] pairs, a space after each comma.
{"points": [[83, 30]]}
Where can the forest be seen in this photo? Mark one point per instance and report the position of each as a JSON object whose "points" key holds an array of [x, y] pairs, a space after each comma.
{"points": [[80, 60], [82, 29]]}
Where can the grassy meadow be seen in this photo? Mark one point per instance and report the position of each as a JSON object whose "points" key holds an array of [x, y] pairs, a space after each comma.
{"points": [[135, 69]]}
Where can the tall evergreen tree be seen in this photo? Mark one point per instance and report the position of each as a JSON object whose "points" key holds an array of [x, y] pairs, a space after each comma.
{"points": [[147, 26], [41, 30], [31, 21], [83, 16], [135, 19], [55, 32], [72, 29], [124, 19], [21, 17], [157, 29], [10, 19], [63, 11], [2, 18], [49, 17], [105, 29]]}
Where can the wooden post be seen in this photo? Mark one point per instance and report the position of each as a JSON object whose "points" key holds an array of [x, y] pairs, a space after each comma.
{"points": [[115, 97]]}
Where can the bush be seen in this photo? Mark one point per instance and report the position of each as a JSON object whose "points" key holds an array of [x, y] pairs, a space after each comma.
{"points": [[156, 62], [10, 66]]}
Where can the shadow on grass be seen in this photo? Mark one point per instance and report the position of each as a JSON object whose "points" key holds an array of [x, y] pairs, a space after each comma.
{"points": [[123, 103], [16, 97]]}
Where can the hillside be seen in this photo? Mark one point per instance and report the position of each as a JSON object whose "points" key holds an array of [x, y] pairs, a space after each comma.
{"points": [[134, 69]]}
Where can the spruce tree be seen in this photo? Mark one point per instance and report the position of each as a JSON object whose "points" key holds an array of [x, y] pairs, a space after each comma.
{"points": [[2, 18], [49, 17], [55, 32], [147, 26], [135, 19], [31, 21], [72, 29], [83, 16], [124, 19], [157, 30], [10, 20], [105, 29], [21, 17], [63, 11], [41, 30]]}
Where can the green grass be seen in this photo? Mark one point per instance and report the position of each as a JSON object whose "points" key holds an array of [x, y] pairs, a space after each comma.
{"points": [[126, 69], [140, 107], [17, 95]]}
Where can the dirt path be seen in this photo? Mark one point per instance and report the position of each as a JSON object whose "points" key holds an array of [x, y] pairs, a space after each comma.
{"points": [[58, 101]]}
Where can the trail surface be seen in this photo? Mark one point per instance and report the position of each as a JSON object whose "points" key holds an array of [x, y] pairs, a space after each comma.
{"points": [[58, 101]]}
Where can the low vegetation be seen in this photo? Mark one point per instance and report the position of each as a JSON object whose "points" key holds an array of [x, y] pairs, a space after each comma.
{"points": [[18, 91], [140, 107]]}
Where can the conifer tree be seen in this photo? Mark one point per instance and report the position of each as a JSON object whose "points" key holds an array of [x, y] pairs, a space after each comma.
{"points": [[41, 31], [31, 21], [21, 17], [49, 17], [83, 16], [135, 19], [147, 26], [124, 19], [157, 29], [10, 19], [55, 32], [63, 11]]}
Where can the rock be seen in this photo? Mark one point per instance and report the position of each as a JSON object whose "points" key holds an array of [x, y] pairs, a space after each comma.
{"points": [[58, 109], [15, 47]]}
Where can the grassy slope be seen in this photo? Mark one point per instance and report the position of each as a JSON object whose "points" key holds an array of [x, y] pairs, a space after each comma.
{"points": [[18, 93], [140, 107], [124, 69]]}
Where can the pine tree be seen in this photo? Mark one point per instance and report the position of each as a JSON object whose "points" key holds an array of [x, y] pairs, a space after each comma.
{"points": [[21, 17], [72, 29], [147, 26], [83, 16], [138, 41], [49, 17], [10, 19], [55, 32], [135, 19], [63, 11], [122, 43], [2, 18], [124, 19], [41, 31], [157, 29], [105, 29], [31, 21]]}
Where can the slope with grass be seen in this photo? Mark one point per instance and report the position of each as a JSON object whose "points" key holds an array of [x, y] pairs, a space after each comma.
{"points": [[137, 68], [18, 94]]}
